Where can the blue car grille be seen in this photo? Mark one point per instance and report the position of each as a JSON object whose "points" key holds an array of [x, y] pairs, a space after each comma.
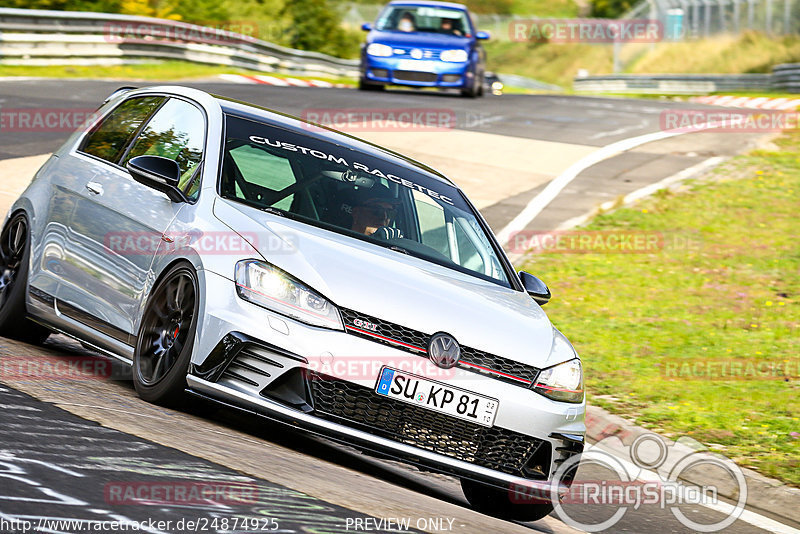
{"points": [[426, 53]]}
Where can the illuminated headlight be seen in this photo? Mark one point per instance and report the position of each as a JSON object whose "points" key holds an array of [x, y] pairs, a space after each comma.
{"points": [[265, 285], [562, 382], [454, 56], [379, 50]]}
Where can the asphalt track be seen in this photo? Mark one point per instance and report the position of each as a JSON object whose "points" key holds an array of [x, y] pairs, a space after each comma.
{"points": [[56, 461]]}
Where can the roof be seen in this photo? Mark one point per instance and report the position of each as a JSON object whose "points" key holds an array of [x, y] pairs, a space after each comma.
{"points": [[430, 3]]}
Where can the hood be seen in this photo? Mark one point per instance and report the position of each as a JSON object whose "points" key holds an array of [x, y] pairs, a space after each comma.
{"points": [[418, 40], [398, 288]]}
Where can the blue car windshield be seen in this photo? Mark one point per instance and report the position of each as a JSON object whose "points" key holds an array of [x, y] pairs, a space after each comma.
{"points": [[427, 19]]}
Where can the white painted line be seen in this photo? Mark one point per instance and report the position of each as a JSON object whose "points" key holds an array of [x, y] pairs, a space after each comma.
{"points": [[647, 190], [554, 188]]}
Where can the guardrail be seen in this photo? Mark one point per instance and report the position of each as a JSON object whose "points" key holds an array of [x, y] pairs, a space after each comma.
{"points": [[673, 83], [786, 77], [41, 37]]}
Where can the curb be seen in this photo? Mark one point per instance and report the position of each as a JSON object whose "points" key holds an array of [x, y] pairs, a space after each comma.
{"points": [[263, 79], [770, 496], [762, 102]]}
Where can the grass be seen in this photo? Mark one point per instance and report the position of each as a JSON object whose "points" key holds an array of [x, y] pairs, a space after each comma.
{"points": [[558, 63], [734, 295], [551, 63], [167, 70]]}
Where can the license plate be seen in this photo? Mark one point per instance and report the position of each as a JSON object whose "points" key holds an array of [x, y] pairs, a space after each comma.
{"points": [[437, 397], [416, 64]]}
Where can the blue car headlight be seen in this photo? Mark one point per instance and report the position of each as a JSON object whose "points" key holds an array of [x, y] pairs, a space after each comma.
{"points": [[454, 56], [267, 286], [379, 50]]}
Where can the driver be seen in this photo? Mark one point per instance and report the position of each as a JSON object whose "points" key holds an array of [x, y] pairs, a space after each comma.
{"points": [[448, 26], [373, 211], [406, 23]]}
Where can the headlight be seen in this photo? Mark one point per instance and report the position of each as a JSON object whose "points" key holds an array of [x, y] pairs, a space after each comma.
{"points": [[267, 286], [454, 56], [562, 382], [379, 50]]}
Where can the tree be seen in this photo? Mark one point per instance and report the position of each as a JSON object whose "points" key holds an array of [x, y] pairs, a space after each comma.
{"points": [[316, 25], [611, 9]]}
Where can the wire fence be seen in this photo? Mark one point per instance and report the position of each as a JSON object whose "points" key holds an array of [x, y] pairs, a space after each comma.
{"points": [[695, 19]]}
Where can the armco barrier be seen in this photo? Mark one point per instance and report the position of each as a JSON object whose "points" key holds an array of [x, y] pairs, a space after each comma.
{"points": [[784, 78], [41, 37], [673, 83]]}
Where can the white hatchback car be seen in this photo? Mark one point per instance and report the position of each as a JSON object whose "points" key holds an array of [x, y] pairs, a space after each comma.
{"points": [[249, 257]]}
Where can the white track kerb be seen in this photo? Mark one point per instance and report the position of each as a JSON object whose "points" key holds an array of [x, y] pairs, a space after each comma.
{"points": [[554, 188]]}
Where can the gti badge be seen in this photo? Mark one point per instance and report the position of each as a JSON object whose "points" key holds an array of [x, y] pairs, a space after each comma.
{"points": [[443, 350], [365, 325]]}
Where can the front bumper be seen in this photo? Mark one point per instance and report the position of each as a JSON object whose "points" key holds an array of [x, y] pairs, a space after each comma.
{"points": [[253, 359], [416, 73]]}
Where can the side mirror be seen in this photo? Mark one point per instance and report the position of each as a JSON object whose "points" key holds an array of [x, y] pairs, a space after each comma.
{"points": [[483, 35], [536, 288], [366, 26], [156, 172]]}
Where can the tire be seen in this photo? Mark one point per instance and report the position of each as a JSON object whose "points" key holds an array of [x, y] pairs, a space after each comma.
{"points": [[15, 255], [497, 503], [472, 91], [365, 86], [166, 337]]}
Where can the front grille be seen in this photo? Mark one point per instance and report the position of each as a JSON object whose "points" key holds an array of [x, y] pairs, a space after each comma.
{"points": [[416, 342], [426, 54], [492, 447], [415, 76]]}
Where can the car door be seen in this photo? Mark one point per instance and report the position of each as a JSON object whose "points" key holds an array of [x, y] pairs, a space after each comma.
{"points": [[57, 263], [118, 223]]}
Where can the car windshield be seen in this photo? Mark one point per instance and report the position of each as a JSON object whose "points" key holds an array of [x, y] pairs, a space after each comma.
{"points": [[428, 19], [355, 194]]}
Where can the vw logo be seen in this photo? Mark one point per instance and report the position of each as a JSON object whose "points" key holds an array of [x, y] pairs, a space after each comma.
{"points": [[416, 53], [443, 350]]}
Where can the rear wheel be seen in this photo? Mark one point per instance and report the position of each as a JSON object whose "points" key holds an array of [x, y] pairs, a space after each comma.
{"points": [[166, 337], [498, 503], [15, 253]]}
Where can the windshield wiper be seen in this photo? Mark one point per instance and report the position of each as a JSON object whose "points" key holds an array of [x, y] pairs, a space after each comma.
{"points": [[400, 250]]}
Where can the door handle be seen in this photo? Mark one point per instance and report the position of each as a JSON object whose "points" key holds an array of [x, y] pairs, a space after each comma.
{"points": [[94, 188]]}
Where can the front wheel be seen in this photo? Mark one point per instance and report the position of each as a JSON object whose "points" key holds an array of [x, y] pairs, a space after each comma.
{"points": [[166, 337], [474, 90], [15, 253], [500, 503], [366, 86]]}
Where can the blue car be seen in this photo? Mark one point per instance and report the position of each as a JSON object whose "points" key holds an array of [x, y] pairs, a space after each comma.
{"points": [[424, 44]]}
